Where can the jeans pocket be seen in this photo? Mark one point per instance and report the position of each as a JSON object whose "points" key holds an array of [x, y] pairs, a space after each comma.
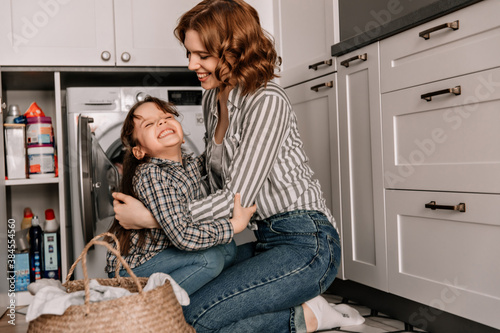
{"points": [[293, 224]]}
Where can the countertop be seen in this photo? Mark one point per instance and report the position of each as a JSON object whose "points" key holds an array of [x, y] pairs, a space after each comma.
{"points": [[411, 20]]}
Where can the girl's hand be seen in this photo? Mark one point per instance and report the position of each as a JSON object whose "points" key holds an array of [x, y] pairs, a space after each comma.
{"points": [[241, 215], [131, 213]]}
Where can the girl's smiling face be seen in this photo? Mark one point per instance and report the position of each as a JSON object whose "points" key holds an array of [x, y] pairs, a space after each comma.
{"points": [[158, 134], [200, 61]]}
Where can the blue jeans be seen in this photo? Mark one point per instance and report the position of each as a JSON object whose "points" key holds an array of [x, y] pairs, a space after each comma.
{"points": [[295, 258], [190, 269]]}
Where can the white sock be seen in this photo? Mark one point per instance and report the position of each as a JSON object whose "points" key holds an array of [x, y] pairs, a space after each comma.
{"points": [[331, 315]]}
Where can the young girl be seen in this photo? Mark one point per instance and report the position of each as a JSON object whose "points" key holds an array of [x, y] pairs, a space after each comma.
{"points": [[157, 173]]}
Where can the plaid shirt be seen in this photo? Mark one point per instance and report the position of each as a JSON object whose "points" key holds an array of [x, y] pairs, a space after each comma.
{"points": [[166, 187]]}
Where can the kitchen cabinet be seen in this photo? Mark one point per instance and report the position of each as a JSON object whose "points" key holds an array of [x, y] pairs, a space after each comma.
{"points": [[23, 88], [363, 215], [4, 283], [451, 49], [304, 32], [440, 102], [449, 143], [446, 259], [91, 33], [315, 104], [144, 32], [57, 33]]}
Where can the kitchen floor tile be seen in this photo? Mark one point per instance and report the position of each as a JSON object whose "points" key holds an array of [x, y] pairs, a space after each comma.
{"points": [[372, 324]]}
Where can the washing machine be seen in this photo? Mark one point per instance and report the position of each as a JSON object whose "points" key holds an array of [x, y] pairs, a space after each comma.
{"points": [[95, 116]]}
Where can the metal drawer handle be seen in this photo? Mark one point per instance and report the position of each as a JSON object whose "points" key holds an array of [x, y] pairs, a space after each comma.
{"points": [[427, 33], [346, 62], [324, 62], [325, 84], [460, 207], [455, 90]]}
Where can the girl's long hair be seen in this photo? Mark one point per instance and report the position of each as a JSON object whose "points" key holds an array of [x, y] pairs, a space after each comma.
{"points": [[230, 31], [130, 165]]}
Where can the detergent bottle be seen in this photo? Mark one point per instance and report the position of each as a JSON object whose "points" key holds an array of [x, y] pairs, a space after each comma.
{"points": [[26, 222], [28, 216], [35, 250]]}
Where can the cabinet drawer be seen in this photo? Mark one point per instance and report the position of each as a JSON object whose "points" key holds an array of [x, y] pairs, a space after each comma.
{"points": [[450, 143], [443, 258], [408, 59]]}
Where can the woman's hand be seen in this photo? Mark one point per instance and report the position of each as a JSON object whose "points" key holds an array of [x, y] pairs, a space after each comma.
{"points": [[131, 213], [241, 215]]}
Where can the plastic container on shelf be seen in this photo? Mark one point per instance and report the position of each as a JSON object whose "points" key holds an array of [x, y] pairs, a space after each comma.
{"points": [[26, 222], [51, 224], [12, 113], [41, 161], [28, 216], [15, 151], [39, 131]]}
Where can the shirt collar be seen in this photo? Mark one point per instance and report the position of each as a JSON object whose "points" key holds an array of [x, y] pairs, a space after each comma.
{"points": [[186, 158], [234, 100]]}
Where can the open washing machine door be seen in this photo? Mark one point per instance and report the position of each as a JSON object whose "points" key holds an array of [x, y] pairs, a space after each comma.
{"points": [[98, 179]]}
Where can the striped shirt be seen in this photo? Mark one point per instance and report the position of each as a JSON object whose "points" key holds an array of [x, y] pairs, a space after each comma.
{"points": [[165, 188], [263, 158]]}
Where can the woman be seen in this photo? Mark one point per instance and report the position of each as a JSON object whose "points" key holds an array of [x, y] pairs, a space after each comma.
{"points": [[253, 148]]}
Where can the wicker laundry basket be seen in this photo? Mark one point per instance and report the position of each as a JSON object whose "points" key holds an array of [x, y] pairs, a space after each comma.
{"points": [[153, 311]]}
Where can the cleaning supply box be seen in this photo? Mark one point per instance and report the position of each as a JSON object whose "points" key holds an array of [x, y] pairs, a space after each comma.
{"points": [[15, 151]]}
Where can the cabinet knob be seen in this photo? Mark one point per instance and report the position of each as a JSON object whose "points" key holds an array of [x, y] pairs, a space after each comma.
{"points": [[2, 105], [140, 96], [125, 57], [105, 55]]}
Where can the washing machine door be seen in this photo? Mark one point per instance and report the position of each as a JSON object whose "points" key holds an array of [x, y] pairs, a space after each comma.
{"points": [[84, 153], [98, 179], [106, 181]]}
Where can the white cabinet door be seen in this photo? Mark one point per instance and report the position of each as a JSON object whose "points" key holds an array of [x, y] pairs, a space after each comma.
{"points": [[471, 45], [315, 104], [304, 34], [145, 32], [363, 220], [449, 143], [4, 285], [444, 258], [57, 33]]}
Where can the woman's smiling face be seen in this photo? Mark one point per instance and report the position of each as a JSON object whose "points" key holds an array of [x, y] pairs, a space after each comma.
{"points": [[200, 61]]}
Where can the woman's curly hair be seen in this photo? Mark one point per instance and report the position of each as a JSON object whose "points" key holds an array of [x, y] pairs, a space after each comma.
{"points": [[230, 30]]}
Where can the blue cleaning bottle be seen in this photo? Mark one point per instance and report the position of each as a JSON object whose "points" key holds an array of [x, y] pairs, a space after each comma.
{"points": [[35, 250]]}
